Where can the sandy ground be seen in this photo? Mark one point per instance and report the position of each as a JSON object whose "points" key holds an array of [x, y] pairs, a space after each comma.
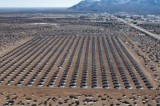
{"points": [[77, 97], [15, 45]]}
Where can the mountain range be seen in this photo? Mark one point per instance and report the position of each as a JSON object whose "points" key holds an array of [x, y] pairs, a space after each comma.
{"points": [[112, 6]]}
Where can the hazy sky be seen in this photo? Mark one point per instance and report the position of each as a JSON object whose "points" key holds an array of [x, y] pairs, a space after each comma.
{"points": [[37, 3]]}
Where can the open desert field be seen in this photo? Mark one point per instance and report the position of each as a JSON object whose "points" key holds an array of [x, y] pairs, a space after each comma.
{"points": [[76, 59]]}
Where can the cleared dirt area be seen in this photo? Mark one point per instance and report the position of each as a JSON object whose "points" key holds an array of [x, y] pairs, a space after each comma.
{"points": [[77, 97]]}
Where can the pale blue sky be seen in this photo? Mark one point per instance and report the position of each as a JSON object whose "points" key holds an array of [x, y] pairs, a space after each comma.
{"points": [[37, 3]]}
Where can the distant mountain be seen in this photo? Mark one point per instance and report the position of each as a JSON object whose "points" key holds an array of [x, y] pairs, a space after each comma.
{"points": [[136, 6]]}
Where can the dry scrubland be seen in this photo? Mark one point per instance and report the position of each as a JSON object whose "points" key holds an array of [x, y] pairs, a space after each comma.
{"points": [[152, 27], [54, 59]]}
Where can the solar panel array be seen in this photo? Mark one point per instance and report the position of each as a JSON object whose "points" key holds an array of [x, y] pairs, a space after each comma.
{"points": [[73, 62]]}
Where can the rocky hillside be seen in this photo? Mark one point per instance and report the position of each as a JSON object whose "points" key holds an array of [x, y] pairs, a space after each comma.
{"points": [[136, 6]]}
